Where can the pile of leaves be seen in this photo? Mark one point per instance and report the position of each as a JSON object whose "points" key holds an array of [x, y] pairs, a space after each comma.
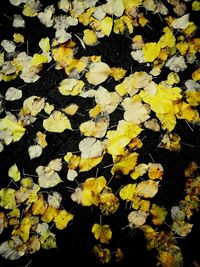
{"points": [[85, 134]]}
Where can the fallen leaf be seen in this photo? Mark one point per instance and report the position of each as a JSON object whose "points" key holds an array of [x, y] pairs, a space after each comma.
{"points": [[102, 233], [90, 147], [147, 189], [34, 151], [14, 173], [57, 122], [98, 73], [137, 218]]}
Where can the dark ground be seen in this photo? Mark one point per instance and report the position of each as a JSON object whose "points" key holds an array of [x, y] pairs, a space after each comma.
{"points": [[74, 244]]}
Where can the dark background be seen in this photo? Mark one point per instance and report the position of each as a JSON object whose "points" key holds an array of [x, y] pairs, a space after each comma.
{"points": [[75, 243]]}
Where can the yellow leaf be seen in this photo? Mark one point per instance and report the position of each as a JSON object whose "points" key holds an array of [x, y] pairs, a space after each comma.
{"points": [[166, 259], [119, 26], [14, 173], [39, 206], [24, 230], [102, 233], [130, 4], [76, 64], [168, 39], [71, 109], [7, 197], [159, 214], [196, 75], [29, 10], [173, 78], [193, 98], [48, 108], [108, 202], [121, 89], [62, 219], [139, 171], [151, 51], [162, 101], [72, 160], [168, 120], [95, 111], [15, 127], [91, 188], [181, 23], [127, 192], [129, 22], [18, 38], [41, 139], [106, 25], [87, 164], [118, 139], [64, 54], [57, 122], [90, 37], [187, 112], [48, 177], [142, 20], [49, 214], [155, 171], [85, 17], [39, 59], [125, 164], [182, 47], [44, 44], [196, 6], [117, 73]]}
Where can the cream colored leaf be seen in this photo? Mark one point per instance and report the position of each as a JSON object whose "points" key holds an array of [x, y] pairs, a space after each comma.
{"points": [[6, 136], [13, 94], [47, 177], [71, 174], [134, 111], [137, 218], [147, 189], [54, 200], [77, 195], [181, 23], [55, 164], [114, 7], [18, 22], [9, 46], [34, 151], [90, 148], [33, 105], [98, 73]]}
